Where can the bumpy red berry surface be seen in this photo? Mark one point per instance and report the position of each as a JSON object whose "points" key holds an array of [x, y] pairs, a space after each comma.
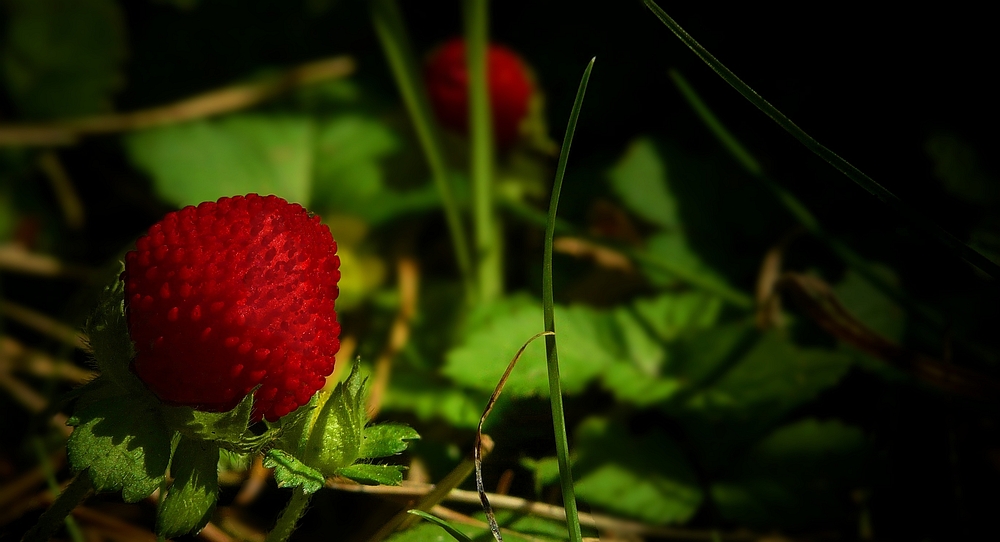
{"points": [[510, 88], [231, 295]]}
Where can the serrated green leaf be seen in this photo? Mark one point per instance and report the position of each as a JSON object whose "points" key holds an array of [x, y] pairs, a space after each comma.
{"points": [[205, 160], [228, 429], [290, 472], [350, 174], [335, 440], [386, 439], [190, 500], [644, 376], [434, 400], [110, 343], [388, 475], [123, 443], [585, 337], [800, 473], [753, 394], [62, 58], [642, 476], [639, 179]]}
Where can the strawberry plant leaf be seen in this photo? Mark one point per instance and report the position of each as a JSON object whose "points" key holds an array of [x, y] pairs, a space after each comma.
{"points": [[587, 346], [800, 473], [644, 375], [228, 429], [190, 501], [639, 179], [389, 475], [290, 472], [748, 396], [433, 400], [204, 160], [386, 439], [335, 441], [642, 476], [125, 449], [62, 58], [350, 173]]}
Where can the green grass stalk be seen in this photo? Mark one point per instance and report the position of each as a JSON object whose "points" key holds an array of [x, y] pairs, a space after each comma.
{"points": [[51, 519], [290, 516], [920, 222], [391, 31], [488, 237], [796, 207], [548, 310]]}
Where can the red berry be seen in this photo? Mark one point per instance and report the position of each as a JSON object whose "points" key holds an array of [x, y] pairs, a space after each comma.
{"points": [[231, 295], [510, 89]]}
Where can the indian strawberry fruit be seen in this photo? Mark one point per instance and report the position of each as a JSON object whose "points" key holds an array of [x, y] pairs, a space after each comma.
{"points": [[232, 296], [510, 88]]}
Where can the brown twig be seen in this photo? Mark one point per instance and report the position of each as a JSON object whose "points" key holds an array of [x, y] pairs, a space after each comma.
{"points": [[817, 299], [44, 324], [14, 257], [768, 302], [31, 400], [427, 499], [408, 274], [548, 511], [62, 187], [216, 102], [14, 356]]}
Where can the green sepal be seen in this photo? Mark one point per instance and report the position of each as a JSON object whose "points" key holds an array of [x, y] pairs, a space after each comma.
{"points": [[335, 440], [124, 450], [110, 342], [290, 472], [386, 439], [227, 429], [190, 501], [293, 428], [373, 475]]}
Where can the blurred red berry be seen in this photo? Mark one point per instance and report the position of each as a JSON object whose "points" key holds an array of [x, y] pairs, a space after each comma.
{"points": [[231, 295], [510, 89]]}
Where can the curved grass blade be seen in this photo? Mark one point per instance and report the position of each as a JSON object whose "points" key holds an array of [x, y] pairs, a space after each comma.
{"points": [[548, 310], [477, 450], [455, 533], [920, 222]]}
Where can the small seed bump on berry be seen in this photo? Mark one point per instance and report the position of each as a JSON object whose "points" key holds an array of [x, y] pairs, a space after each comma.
{"points": [[245, 347], [165, 291], [172, 314], [231, 342], [206, 333], [196, 313], [161, 252], [235, 370]]}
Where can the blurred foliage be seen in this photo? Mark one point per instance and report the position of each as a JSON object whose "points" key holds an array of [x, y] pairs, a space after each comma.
{"points": [[683, 409]]}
